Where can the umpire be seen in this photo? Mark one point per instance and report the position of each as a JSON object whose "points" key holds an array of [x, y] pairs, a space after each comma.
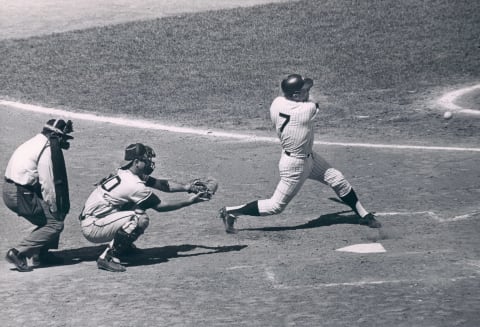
{"points": [[36, 188]]}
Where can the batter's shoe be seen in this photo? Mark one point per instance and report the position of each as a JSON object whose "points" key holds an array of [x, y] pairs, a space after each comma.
{"points": [[19, 260], [370, 221], [110, 263], [228, 220]]}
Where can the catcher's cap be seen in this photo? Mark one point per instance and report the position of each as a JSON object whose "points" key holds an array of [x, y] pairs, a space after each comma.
{"points": [[60, 127], [139, 151], [294, 83]]}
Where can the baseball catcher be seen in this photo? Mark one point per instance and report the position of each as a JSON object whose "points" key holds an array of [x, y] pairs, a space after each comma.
{"points": [[116, 210]]}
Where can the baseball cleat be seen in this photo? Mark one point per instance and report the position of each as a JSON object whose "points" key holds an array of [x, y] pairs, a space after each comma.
{"points": [[370, 221], [110, 263], [19, 260], [228, 221]]}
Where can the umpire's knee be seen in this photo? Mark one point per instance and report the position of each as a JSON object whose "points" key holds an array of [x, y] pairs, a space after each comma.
{"points": [[53, 227]]}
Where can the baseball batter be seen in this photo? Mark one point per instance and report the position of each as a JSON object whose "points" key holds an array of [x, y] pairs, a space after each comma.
{"points": [[115, 210], [293, 116]]}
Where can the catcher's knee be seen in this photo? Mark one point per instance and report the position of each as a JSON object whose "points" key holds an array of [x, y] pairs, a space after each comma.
{"points": [[139, 221], [335, 179], [142, 220]]}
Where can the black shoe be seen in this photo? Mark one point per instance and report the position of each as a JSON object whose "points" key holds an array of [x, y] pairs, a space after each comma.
{"points": [[370, 221], [19, 260], [45, 259], [110, 263], [228, 220]]}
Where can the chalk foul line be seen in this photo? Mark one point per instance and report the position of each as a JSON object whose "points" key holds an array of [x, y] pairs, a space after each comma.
{"points": [[144, 124]]}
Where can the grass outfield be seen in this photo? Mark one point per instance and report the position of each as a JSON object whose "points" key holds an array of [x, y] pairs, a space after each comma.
{"points": [[383, 60]]}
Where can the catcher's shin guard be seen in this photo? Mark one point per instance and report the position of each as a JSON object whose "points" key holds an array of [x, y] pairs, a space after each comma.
{"points": [[122, 241]]}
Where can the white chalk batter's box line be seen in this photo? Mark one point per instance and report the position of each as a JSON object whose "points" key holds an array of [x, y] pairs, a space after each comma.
{"points": [[280, 286], [432, 215], [272, 279], [143, 124]]}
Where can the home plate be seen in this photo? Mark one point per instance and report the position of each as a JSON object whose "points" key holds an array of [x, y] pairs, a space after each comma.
{"points": [[364, 248]]}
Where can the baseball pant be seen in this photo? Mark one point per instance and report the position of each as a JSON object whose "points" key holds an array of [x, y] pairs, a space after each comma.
{"points": [[47, 233], [103, 230], [293, 174]]}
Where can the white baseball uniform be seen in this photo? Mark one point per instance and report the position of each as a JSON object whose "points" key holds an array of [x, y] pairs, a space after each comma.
{"points": [[294, 124]]}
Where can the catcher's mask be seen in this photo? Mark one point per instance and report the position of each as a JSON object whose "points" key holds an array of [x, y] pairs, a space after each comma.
{"points": [[143, 153], [59, 128], [294, 84]]}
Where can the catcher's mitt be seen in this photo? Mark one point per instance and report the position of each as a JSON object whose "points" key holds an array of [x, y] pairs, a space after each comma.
{"points": [[207, 186]]}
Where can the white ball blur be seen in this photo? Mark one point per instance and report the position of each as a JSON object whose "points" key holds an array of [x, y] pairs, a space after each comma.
{"points": [[447, 115]]}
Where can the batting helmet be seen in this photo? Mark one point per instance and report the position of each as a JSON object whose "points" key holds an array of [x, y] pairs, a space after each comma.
{"points": [[295, 83]]}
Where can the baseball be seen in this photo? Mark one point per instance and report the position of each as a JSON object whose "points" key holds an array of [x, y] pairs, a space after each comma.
{"points": [[447, 115]]}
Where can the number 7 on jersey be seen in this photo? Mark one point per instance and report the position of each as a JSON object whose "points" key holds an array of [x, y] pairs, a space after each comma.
{"points": [[287, 119]]}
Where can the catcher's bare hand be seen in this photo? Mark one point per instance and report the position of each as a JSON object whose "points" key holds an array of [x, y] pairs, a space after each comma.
{"points": [[199, 197], [207, 187]]}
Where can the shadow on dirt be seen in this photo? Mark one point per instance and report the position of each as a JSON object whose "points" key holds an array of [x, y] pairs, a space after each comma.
{"points": [[143, 257], [163, 254], [322, 221]]}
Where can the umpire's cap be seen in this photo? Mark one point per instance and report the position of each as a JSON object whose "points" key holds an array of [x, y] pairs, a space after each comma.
{"points": [[139, 151], [59, 127], [294, 83]]}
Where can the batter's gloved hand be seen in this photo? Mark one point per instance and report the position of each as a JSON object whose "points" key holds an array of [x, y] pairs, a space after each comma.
{"points": [[207, 187]]}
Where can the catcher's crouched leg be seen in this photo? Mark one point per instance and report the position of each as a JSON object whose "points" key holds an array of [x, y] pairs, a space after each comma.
{"points": [[129, 233]]}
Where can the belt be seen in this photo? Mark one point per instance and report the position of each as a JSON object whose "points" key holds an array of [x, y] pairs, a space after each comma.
{"points": [[9, 181], [290, 154]]}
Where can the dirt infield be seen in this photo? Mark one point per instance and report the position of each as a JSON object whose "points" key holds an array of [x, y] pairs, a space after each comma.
{"points": [[277, 271]]}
